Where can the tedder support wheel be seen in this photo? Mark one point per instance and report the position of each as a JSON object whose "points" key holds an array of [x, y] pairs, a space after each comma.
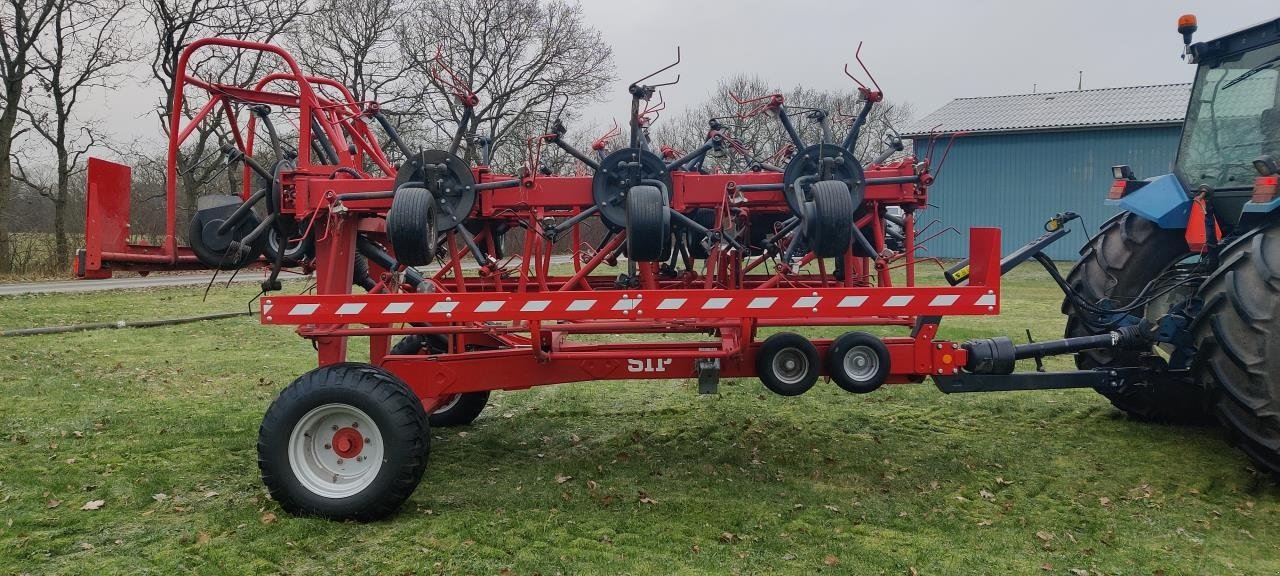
{"points": [[648, 225], [411, 226], [213, 249], [1125, 255], [459, 409], [858, 362], [1237, 339], [829, 219], [345, 441], [787, 364]]}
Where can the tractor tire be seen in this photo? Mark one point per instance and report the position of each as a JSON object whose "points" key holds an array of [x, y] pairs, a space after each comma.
{"points": [[829, 219], [411, 226], [648, 225], [1127, 253], [459, 409], [345, 442], [1237, 338]]}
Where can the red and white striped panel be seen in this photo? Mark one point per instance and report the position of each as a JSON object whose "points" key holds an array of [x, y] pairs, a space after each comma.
{"points": [[634, 304]]}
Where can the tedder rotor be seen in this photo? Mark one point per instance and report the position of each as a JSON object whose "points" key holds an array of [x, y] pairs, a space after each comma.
{"points": [[813, 236]]}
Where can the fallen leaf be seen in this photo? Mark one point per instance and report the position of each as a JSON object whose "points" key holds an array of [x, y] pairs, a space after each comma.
{"points": [[830, 560], [961, 498], [86, 546], [210, 494], [1047, 567], [1003, 482], [592, 485], [93, 504], [267, 518], [831, 507], [1104, 501], [160, 497], [53, 504], [561, 479], [728, 537], [986, 494], [1044, 536], [202, 538], [646, 499], [696, 548], [1078, 572], [911, 571], [984, 522]]}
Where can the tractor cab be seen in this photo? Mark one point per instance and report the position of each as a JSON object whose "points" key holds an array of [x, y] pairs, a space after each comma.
{"points": [[1231, 139]]}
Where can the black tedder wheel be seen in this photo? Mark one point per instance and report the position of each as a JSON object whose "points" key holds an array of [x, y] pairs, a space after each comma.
{"points": [[787, 364], [1125, 255], [213, 249], [411, 226], [298, 247], [648, 225], [346, 442], [1237, 340], [858, 362], [829, 219], [459, 409]]}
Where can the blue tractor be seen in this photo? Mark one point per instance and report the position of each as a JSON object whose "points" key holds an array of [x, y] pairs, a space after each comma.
{"points": [[1192, 262]]}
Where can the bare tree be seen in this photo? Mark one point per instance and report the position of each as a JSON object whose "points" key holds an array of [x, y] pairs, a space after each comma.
{"points": [[518, 56], [177, 24], [21, 24], [354, 42], [84, 50]]}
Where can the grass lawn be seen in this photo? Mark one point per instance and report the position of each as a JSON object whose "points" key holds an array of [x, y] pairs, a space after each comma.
{"points": [[160, 426]]}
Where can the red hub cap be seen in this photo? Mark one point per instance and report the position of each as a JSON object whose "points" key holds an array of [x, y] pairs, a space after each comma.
{"points": [[348, 442]]}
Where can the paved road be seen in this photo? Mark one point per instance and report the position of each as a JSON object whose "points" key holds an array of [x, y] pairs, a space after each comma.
{"points": [[128, 281]]}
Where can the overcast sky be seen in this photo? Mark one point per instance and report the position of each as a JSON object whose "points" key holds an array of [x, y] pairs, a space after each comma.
{"points": [[925, 52]]}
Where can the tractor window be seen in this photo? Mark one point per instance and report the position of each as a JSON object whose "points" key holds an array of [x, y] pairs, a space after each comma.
{"points": [[1233, 119]]}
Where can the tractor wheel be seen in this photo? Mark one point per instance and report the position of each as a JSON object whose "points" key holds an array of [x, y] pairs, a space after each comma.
{"points": [[1126, 254], [787, 364], [411, 226], [344, 441], [648, 225], [829, 219], [1237, 340], [459, 409]]}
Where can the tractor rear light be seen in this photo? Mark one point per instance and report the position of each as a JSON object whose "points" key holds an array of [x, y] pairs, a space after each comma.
{"points": [[1266, 189], [1118, 189]]}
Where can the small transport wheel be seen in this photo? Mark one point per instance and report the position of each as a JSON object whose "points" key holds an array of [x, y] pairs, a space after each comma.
{"points": [[829, 219], [787, 364], [411, 226], [299, 244], [648, 224], [858, 362], [459, 409], [346, 442]]}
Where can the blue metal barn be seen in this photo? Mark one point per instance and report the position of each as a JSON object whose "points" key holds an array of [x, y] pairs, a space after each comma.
{"points": [[1028, 156]]}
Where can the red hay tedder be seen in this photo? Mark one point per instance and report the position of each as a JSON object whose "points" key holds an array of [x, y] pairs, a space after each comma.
{"points": [[687, 251]]}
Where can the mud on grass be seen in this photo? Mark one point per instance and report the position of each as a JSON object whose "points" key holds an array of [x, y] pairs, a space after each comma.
{"points": [[600, 478]]}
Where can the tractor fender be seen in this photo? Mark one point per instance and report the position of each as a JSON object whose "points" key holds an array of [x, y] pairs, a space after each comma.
{"points": [[1162, 200]]}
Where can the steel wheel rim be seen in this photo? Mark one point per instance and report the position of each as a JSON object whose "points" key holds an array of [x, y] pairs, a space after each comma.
{"points": [[861, 363], [450, 402], [325, 456], [790, 365]]}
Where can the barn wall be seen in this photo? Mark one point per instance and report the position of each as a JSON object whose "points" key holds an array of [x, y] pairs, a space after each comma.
{"points": [[1016, 181]]}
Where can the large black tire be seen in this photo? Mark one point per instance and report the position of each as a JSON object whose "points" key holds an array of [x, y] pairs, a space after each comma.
{"points": [[1237, 340], [787, 364], [1127, 253], [648, 225], [411, 226], [305, 438], [829, 219], [459, 409]]}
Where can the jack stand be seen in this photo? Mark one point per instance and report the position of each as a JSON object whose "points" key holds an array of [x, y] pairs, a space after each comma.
{"points": [[709, 376]]}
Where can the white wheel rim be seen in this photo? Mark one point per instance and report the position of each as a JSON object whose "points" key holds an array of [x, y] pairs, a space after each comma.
{"points": [[335, 450], [790, 365], [448, 404], [861, 363]]}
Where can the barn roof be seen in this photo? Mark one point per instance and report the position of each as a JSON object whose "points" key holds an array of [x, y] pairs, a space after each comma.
{"points": [[1163, 104]]}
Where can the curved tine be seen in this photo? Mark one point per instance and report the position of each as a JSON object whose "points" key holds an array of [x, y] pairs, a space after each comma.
{"points": [[857, 55], [661, 70]]}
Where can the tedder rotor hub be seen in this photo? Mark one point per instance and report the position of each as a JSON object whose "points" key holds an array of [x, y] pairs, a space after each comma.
{"points": [[449, 179], [618, 173], [817, 163]]}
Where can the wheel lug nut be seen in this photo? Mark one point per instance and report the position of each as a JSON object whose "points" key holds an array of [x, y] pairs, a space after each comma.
{"points": [[367, 441], [328, 447], [339, 460], [334, 427]]}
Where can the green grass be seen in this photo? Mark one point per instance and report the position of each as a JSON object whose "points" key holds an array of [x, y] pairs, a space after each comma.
{"points": [[161, 425]]}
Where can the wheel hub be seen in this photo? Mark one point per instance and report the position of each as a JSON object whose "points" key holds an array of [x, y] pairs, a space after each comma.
{"points": [[335, 450], [348, 442]]}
